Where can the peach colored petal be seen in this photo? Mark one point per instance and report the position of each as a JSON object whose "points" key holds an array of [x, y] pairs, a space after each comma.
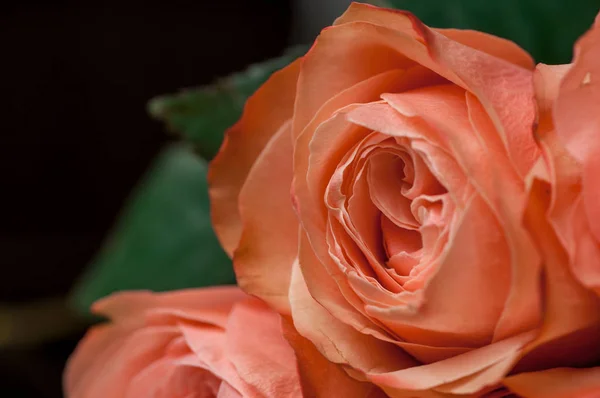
{"points": [[441, 373], [174, 381], [482, 381], [204, 305], [226, 391], [399, 240], [547, 79], [269, 241], [327, 72], [586, 260], [496, 84], [386, 181], [337, 341], [576, 116], [209, 346], [97, 346], [485, 76], [567, 211], [490, 44], [320, 376], [111, 372], [252, 328], [572, 313], [557, 383], [264, 114], [493, 45], [578, 125], [336, 291]]}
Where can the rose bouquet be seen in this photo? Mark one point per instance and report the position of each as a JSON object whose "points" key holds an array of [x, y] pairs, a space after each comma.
{"points": [[410, 211]]}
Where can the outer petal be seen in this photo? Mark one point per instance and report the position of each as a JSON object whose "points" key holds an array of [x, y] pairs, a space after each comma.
{"points": [[494, 81], [557, 383], [269, 242], [576, 110], [487, 364], [265, 112], [210, 305], [176, 381], [109, 373], [259, 352], [493, 45], [337, 341], [99, 344], [320, 376], [577, 122], [569, 334]]}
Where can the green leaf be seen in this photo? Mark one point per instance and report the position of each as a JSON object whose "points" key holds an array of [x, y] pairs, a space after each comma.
{"points": [[202, 115], [164, 238], [546, 28]]}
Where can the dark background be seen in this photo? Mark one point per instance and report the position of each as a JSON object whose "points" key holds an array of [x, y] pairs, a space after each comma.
{"points": [[75, 136]]}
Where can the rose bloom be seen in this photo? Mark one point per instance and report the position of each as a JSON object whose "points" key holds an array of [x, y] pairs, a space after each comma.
{"points": [[213, 342], [380, 193]]}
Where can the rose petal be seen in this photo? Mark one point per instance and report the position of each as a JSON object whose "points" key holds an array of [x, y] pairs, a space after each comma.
{"points": [[176, 381], [557, 383], [227, 391], [269, 242], [547, 80], [493, 45], [253, 326], [570, 309], [320, 376], [337, 341], [91, 354], [209, 305], [490, 44], [264, 114], [112, 370], [443, 372], [578, 122], [482, 74], [575, 112]]}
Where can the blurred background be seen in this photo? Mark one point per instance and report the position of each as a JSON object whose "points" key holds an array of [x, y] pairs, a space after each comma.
{"points": [[95, 189]]}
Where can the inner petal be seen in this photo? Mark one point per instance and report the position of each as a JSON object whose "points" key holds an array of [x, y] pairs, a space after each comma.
{"points": [[387, 178], [397, 239], [403, 246]]}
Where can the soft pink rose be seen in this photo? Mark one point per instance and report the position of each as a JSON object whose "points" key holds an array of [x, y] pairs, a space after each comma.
{"points": [[213, 342]]}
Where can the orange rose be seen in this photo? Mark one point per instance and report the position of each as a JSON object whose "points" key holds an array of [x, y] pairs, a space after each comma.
{"points": [[563, 215], [403, 254], [214, 342]]}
